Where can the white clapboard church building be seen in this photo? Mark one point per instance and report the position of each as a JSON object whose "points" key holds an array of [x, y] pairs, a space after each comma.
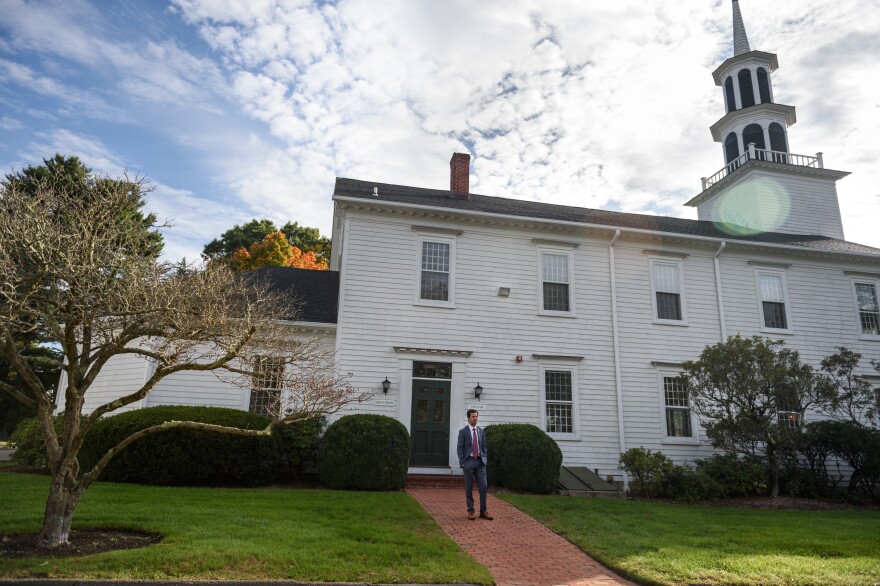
{"points": [[576, 320]]}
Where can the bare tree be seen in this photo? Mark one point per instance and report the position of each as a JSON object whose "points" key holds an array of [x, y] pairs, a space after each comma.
{"points": [[79, 269]]}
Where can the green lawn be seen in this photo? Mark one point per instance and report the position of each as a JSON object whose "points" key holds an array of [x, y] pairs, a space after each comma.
{"points": [[217, 533], [657, 543]]}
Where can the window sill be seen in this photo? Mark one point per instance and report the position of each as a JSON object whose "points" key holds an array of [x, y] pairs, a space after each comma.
{"points": [[670, 322], [437, 305], [780, 332], [869, 338], [568, 314], [680, 441], [563, 438]]}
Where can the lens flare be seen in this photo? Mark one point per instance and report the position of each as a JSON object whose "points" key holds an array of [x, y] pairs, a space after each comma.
{"points": [[761, 204]]}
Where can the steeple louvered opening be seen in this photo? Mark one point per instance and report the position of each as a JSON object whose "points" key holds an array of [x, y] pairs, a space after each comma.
{"points": [[777, 138], [764, 86], [746, 90], [753, 133], [731, 148], [729, 95]]}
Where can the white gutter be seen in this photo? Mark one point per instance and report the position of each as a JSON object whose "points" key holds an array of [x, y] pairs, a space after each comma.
{"points": [[618, 385], [607, 228], [718, 291]]}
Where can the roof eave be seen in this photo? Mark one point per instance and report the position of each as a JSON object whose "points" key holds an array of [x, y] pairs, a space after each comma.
{"points": [[772, 60], [611, 230]]}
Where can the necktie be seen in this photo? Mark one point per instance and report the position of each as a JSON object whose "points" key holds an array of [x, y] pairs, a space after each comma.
{"points": [[476, 451]]}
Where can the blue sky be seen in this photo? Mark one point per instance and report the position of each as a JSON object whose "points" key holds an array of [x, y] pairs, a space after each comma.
{"points": [[235, 110]]}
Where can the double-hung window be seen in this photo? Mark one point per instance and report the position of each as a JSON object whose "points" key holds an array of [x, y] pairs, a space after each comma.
{"points": [[668, 289], [435, 277], [557, 292], [677, 407], [869, 309], [772, 299], [558, 389], [266, 383]]}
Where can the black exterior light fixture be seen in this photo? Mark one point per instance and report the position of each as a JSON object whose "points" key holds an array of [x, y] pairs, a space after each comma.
{"points": [[478, 390], [386, 384]]}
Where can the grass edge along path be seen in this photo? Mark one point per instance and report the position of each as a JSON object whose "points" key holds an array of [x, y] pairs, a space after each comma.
{"points": [[660, 543], [307, 535]]}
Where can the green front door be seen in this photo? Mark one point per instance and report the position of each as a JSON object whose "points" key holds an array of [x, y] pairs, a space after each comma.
{"points": [[430, 422]]}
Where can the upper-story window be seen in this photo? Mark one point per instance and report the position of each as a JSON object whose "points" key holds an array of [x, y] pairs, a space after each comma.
{"points": [[772, 299], [436, 276], [754, 134], [668, 290], [556, 283], [746, 90], [869, 309]]}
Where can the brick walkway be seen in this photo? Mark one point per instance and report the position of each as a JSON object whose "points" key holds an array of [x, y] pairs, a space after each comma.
{"points": [[515, 548]]}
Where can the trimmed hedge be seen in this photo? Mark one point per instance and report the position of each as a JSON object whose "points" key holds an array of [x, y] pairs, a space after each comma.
{"points": [[184, 457], [364, 452], [299, 443], [522, 457]]}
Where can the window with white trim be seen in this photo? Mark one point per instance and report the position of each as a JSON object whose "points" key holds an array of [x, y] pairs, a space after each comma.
{"points": [[676, 401], [266, 383], [435, 280], [788, 410], [869, 309], [556, 281], [558, 386], [772, 299], [667, 287]]}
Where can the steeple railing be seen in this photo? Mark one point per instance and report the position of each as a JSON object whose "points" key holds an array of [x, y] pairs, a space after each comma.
{"points": [[755, 154]]}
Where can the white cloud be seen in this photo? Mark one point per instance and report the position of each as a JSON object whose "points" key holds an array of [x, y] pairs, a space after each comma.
{"points": [[580, 103]]}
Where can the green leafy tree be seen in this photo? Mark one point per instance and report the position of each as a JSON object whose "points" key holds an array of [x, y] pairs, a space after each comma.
{"points": [[68, 177], [79, 269], [244, 236], [11, 411], [852, 397], [752, 393]]}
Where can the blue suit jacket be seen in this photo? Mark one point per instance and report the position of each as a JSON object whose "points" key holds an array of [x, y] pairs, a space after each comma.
{"points": [[466, 445]]}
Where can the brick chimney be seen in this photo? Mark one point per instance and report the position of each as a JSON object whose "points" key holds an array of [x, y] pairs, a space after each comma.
{"points": [[460, 175]]}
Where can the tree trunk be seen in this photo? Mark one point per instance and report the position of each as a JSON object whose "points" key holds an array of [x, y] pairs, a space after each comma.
{"points": [[773, 464], [59, 513]]}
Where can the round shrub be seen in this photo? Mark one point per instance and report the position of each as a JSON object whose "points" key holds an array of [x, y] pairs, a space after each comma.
{"points": [[184, 457], [522, 457], [364, 452]]}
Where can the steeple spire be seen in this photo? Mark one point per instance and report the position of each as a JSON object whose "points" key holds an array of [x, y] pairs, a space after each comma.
{"points": [[740, 39]]}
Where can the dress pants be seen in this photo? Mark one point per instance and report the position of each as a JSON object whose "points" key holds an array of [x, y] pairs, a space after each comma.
{"points": [[475, 468]]}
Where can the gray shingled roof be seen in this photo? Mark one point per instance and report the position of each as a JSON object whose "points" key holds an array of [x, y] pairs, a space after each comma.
{"points": [[740, 39], [530, 209], [316, 292]]}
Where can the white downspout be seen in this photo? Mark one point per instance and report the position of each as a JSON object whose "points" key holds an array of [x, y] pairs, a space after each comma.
{"points": [[718, 291], [617, 382]]}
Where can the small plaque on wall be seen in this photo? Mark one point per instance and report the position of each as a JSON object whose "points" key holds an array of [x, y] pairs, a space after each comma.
{"points": [[477, 407], [386, 402]]}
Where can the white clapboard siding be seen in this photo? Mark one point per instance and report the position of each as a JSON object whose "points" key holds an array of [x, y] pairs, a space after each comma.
{"points": [[122, 375]]}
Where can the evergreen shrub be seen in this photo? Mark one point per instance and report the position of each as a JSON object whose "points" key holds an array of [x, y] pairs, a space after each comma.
{"points": [[184, 457], [522, 457], [299, 443], [364, 452], [734, 476], [27, 440], [647, 471]]}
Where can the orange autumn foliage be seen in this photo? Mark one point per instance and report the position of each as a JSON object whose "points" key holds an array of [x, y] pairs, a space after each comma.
{"points": [[275, 250]]}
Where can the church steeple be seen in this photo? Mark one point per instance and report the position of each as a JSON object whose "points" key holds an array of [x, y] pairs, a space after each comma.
{"points": [[740, 39], [763, 186]]}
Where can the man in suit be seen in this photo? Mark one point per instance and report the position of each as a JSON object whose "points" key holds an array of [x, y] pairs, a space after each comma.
{"points": [[472, 457]]}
